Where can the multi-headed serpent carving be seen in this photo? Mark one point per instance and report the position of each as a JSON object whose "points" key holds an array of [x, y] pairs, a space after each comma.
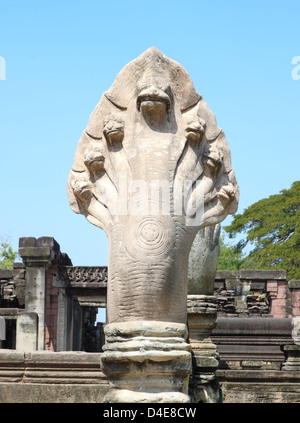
{"points": [[151, 169]]}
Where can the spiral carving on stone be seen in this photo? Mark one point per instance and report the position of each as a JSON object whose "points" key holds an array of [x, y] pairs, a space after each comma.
{"points": [[151, 236]]}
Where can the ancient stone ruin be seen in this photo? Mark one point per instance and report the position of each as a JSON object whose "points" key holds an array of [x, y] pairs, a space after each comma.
{"points": [[152, 168], [51, 351]]}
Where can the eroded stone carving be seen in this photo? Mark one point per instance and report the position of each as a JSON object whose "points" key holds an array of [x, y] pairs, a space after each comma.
{"points": [[81, 275], [202, 314], [296, 330], [151, 169], [203, 260]]}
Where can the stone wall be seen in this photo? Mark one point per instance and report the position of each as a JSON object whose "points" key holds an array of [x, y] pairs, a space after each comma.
{"points": [[252, 293], [12, 300], [12, 287], [49, 377], [258, 360]]}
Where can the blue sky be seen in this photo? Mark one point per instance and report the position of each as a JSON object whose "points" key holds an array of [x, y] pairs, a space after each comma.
{"points": [[62, 55]]}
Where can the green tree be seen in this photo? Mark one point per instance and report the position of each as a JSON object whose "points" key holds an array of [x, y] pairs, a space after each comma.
{"points": [[271, 227], [7, 256], [230, 258]]}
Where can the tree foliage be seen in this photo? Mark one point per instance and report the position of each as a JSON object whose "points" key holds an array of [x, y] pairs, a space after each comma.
{"points": [[7, 256], [230, 258], [271, 227]]}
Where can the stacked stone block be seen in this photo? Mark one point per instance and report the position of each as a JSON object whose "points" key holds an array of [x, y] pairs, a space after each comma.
{"points": [[256, 293]]}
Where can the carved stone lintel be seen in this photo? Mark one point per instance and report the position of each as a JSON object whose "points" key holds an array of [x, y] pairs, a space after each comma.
{"points": [[87, 276], [146, 362]]}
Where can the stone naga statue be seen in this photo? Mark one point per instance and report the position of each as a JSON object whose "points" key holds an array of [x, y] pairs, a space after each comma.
{"points": [[151, 169]]}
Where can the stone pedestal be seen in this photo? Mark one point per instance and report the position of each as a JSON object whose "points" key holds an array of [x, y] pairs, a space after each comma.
{"points": [[146, 362], [202, 318], [292, 353]]}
